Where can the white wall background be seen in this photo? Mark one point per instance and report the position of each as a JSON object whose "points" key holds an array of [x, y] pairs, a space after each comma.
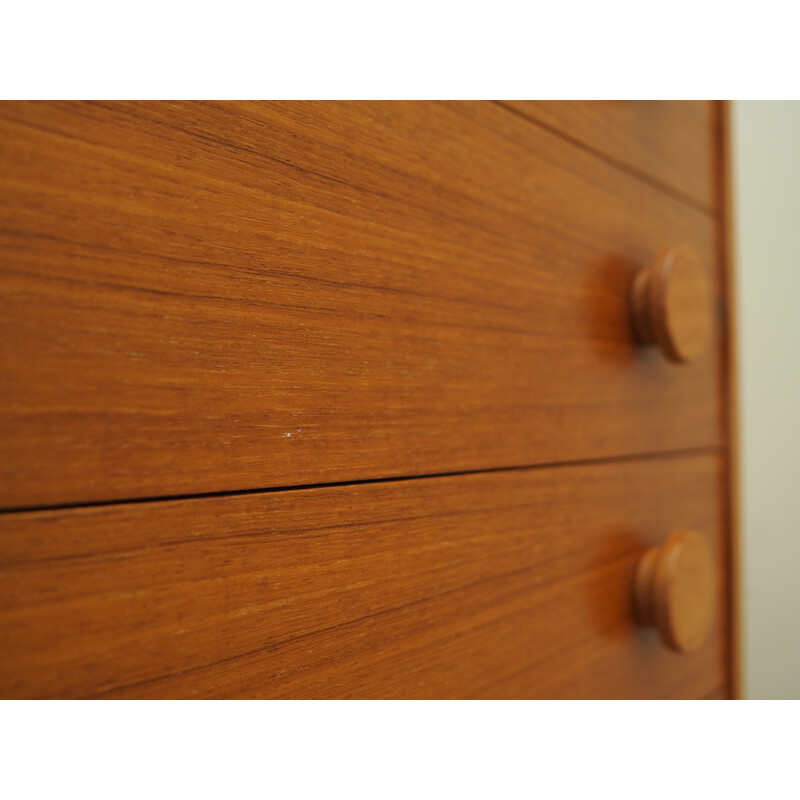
{"points": [[766, 183]]}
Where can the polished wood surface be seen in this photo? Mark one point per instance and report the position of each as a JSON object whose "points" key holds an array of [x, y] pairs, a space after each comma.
{"points": [[672, 304], [510, 584], [675, 587], [213, 297], [672, 143], [206, 300]]}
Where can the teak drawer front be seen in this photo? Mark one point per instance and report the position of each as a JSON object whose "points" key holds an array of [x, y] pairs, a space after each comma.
{"points": [[202, 298], [506, 584], [673, 142]]}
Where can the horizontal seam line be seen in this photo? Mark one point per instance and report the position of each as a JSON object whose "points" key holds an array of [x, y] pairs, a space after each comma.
{"points": [[628, 457], [676, 194]]}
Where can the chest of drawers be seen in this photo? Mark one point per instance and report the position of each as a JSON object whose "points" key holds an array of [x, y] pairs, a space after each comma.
{"points": [[351, 399]]}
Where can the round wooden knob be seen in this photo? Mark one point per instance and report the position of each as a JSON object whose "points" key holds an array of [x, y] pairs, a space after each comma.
{"points": [[674, 590], [671, 303]]}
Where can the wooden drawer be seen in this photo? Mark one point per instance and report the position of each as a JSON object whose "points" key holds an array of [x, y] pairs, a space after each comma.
{"points": [[673, 143], [210, 297], [509, 584]]}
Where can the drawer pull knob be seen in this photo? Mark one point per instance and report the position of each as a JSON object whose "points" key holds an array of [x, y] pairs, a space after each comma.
{"points": [[671, 302], [674, 590]]}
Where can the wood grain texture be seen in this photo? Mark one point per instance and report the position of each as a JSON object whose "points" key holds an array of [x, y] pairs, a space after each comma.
{"points": [[673, 142], [509, 584], [211, 297]]}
